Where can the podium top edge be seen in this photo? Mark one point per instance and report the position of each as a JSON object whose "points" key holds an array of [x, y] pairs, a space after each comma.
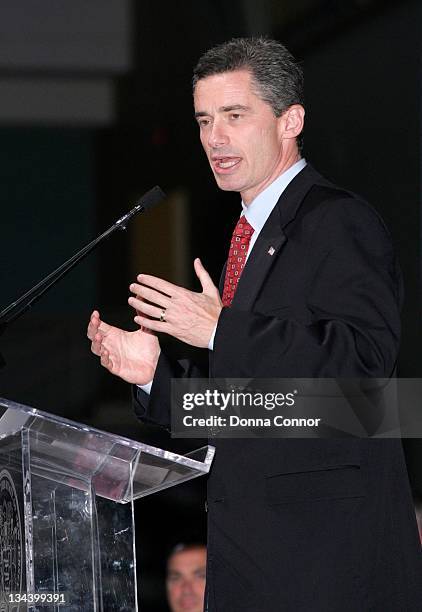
{"points": [[27, 412]]}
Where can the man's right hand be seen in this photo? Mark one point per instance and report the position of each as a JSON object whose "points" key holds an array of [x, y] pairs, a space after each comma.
{"points": [[133, 356]]}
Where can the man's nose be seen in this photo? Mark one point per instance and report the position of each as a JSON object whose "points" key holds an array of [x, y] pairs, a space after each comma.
{"points": [[187, 586], [218, 135]]}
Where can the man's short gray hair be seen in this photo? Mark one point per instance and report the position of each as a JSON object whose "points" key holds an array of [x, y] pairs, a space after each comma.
{"points": [[276, 76]]}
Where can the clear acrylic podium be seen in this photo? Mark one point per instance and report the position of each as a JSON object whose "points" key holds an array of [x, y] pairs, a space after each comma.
{"points": [[67, 534]]}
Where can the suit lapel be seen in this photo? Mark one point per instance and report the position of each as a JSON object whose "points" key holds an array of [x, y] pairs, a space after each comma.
{"points": [[271, 239], [265, 251]]}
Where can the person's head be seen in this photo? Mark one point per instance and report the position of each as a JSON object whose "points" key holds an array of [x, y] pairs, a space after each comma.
{"points": [[248, 98], [185, 581]]}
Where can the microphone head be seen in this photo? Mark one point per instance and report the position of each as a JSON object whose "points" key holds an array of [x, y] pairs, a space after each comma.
{"points": [[151, 198]]}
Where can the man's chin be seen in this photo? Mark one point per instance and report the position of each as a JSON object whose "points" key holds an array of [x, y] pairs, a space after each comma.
{"points": [[226, 183], [189, 606]]}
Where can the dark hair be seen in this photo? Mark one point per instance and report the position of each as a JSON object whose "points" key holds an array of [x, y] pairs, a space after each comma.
{"points": [[185, 547], [276, 76]]}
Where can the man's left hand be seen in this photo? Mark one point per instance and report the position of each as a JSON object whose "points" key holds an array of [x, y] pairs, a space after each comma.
{"points": [[186, 315]]}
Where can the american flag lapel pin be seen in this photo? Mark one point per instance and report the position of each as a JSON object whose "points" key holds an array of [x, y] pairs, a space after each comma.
{"points": [[271, 251]]}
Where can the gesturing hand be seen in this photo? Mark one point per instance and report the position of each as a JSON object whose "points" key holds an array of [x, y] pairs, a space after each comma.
{"points": [[188, 316], [132, 356]]}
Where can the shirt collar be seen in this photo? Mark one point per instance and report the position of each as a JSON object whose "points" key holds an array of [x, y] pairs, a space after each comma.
{"points": [[260, 208]]}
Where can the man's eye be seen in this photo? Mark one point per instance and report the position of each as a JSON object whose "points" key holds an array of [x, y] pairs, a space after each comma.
{"points": [[235, 116], [173, 578], [203, 122], [201, 574]]}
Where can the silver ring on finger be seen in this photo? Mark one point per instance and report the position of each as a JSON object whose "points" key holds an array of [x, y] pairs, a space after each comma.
{"points": [[163, 316]]}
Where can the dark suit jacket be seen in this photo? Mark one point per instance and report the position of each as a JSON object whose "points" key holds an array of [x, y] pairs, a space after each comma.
{"points": [[321, 525]]}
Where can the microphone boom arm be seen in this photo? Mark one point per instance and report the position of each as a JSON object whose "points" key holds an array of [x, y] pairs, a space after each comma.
{"points": [[22, 304]]}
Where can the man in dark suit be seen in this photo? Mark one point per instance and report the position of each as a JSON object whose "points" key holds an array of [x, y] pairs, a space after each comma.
{"points": [[320, 525]]}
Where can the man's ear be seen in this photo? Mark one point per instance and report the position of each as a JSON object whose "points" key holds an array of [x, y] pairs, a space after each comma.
{"points": [[292, 120]]}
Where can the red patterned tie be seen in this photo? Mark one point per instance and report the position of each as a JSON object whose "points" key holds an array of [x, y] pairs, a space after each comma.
{"points": [[237, 256]]}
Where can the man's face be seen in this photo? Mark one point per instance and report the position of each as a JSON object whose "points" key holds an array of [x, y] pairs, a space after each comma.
{"points": [[242, 137], [186, 580]]}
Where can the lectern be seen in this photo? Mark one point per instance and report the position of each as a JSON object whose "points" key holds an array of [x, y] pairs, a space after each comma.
{"points": [[67, 533]]}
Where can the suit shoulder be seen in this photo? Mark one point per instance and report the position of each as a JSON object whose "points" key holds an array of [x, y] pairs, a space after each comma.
{"points": [[333, 204]]}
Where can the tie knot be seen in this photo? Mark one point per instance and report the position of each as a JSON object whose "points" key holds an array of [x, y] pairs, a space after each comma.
{"points": [[243, 228]]}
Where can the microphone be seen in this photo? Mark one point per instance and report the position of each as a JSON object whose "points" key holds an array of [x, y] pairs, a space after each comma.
{"points": [[21, 305], [146, 202]]}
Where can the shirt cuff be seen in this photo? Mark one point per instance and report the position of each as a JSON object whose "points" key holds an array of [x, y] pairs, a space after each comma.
{"points": [[211, 342], [146, 388]]}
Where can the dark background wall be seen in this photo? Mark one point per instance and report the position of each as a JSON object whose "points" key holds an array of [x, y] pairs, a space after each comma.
{"points": [[123, 124]]}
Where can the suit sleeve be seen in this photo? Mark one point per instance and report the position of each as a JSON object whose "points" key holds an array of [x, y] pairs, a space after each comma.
{"points": [[353, 294], [155, 407]]}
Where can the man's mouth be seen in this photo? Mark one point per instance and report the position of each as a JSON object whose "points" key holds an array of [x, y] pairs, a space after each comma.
{"points": [[188, 603], [222, 164]]}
